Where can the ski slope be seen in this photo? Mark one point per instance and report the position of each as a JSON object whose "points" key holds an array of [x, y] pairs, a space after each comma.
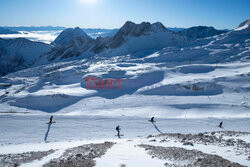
{"points": [[188, 88]]}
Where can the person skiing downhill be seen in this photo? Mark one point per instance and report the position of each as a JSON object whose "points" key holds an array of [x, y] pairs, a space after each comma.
{"points": [[49, 125], [118, 130], [51, 119], [152, 119], [220, 124]]}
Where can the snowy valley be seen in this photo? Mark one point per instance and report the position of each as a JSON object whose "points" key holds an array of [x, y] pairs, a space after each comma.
{"points": [[190, 81]]}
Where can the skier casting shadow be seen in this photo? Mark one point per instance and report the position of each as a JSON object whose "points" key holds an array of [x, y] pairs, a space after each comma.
{"points": [[49, 125], [118, 131], [220, 126], [153, 122]]}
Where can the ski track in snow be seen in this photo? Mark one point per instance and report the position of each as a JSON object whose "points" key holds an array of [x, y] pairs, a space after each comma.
{"points": [[206, 82], [128, 154]]}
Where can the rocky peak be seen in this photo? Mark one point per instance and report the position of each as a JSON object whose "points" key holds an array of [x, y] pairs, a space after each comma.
{"points": [[244, 25], [70, 35], [130, 29]]}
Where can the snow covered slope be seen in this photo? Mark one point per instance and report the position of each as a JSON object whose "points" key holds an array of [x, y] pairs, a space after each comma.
{"points": [[19, 53], [189, 87], [207, 77]]}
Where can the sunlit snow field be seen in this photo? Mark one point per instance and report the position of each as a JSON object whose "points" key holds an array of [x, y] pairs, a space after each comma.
{"points": [[184, 96], [16, 129]]}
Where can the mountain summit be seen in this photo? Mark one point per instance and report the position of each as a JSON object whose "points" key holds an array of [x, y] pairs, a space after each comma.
{"points": [[130, 38], [244, 25], [130, 29], [66, 37], [137, 37]]}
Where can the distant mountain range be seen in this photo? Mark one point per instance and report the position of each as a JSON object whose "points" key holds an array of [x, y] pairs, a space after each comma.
{"points": [[34, 28], [59, 28], [200, 32], [131, 38]]}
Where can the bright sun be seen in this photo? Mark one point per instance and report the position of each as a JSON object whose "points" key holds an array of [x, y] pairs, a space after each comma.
{"points": [[89, 1]]}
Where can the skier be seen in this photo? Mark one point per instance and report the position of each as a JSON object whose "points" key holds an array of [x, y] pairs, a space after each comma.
{"points": [[118, 130], [152, 119], [220, 124], [51, 119], [49, 125]]}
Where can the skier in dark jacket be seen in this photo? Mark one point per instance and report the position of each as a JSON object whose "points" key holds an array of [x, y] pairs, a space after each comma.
{"points": [[220, 124], [51, 119], [152, 119], [118, 130]]}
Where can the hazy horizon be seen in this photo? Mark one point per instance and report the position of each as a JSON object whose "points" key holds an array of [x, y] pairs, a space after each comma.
{"points": [[59, 26], [110, 14]]}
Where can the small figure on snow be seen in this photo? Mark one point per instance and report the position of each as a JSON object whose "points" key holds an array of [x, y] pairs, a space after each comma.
{"points": [[51, 119], [152, 119], [118, 130], [220, 124], [49, 125]]}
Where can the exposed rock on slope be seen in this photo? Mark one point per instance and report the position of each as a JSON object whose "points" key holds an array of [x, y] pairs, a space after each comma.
{"points": [[136, 37]]}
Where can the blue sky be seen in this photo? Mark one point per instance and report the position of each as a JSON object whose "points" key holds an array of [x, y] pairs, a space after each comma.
{"points": [[221, 14]]}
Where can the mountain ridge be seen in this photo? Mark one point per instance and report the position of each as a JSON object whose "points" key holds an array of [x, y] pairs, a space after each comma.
{"points": [[74, 43]]}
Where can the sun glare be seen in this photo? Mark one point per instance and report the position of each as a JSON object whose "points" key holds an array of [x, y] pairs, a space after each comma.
{"points": [[89, 1]]}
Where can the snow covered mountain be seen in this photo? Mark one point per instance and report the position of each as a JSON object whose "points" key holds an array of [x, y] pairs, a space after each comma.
{"points": [[69, 44], [75, 44], [19, 53], [71, 35], [205, 77], [200, 32], [244, 26], [136, 37], [188, 86]]}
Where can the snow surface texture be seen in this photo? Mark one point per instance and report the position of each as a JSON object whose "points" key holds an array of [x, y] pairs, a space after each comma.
{"points": [[207, 78], [211, 148], [189, 88]]}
